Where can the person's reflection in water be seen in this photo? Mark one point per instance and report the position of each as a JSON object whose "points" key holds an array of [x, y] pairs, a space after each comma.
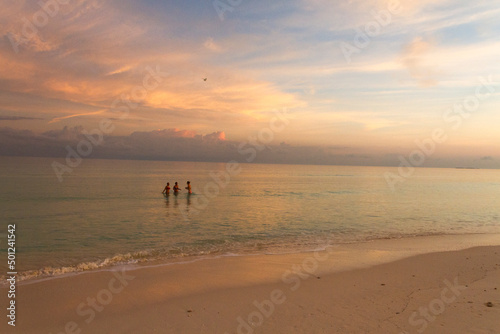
{"points": [[176, 202]]}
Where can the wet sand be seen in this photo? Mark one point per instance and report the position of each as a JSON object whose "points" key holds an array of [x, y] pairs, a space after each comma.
{"points": [[418, 285]]}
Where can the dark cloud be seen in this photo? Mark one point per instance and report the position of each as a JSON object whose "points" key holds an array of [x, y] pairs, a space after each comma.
{"points": [[16, 142], [184, 145], [18, 118], [168, 144]]}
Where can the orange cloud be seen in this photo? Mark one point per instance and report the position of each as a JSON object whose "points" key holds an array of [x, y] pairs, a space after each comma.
{"points": [[57, 119], [223, 91]]}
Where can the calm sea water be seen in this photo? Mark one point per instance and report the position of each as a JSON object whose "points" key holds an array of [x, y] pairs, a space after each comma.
{"points": [[111, 211]]}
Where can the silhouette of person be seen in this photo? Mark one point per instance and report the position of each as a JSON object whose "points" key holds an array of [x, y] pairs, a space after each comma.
{"points": [[166, 190], [189, 187]]}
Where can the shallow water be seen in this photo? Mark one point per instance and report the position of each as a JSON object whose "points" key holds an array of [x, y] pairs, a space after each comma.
{"points": [[112, 211]]}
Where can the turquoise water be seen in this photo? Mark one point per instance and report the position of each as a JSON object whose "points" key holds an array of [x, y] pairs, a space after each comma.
{"points": [[111, 211]]}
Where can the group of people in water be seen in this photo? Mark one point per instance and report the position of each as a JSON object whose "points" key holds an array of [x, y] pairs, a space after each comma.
{"points": [[166, 190]]}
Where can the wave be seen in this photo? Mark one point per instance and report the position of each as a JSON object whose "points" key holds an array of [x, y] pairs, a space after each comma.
{"points": [[306, 243], [208, 248], [120, 259]]}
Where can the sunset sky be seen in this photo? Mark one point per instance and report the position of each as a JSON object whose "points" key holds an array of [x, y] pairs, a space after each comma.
{"points": [[359, 81]]}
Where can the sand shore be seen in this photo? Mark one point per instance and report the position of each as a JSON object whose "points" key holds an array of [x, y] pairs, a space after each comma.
{"points": [[387, 286]]}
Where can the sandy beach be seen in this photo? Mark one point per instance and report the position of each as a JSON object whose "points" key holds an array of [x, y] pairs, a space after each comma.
{"points": [[385, 286], [249, 167]]}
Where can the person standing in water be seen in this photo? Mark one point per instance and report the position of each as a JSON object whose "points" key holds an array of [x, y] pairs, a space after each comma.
{"points": [[166, 191], [176, 188], [189, 187]]}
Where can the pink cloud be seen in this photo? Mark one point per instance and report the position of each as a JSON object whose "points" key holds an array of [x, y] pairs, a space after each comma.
{"points": [[219, 135], [177, 133]]}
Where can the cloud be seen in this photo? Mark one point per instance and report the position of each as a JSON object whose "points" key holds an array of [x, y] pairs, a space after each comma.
{"points": [[18, 118], [174, 133], [15, 142], [99, 50], [166, 144], [58, 119], [169, 144], [416, 59], [186, 145], [264, 56], [65, 134], [219, 135], [210, 45]]}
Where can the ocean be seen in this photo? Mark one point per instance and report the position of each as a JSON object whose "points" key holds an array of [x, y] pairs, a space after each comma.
{"points": [[112, 212]]}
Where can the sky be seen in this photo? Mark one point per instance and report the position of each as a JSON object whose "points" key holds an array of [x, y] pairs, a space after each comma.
{"points": [[300, 81]]}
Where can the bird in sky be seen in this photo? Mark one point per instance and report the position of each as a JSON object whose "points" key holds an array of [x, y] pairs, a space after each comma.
{"points": [[204, 79]]}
